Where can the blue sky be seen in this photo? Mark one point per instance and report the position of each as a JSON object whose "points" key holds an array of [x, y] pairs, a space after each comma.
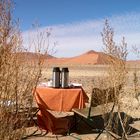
{"points": [[77, 24]]}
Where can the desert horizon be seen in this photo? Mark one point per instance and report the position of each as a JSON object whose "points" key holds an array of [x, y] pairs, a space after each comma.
{"points": [[90, 57], [69, 69]]}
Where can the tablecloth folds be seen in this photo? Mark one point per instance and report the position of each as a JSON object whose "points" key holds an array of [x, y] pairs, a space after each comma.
{"points": [[52, 124], [58, 100]]}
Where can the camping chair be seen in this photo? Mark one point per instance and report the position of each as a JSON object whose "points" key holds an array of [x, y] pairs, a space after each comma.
{"points": [[92, 114]]}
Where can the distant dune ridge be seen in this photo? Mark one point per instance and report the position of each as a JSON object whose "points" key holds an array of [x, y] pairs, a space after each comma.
{"points": [[89, 58], [31, 55]]}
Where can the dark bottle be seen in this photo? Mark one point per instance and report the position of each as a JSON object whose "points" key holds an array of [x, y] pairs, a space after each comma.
{"points": [[64, 78], [56, 77]]}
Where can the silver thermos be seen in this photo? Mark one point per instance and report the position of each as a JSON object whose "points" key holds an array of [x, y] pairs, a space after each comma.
{"points": [[64, 78], [56, 77]]}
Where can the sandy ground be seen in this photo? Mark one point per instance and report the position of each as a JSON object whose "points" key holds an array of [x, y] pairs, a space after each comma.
{"points": [[72, 136], [88, 77]]}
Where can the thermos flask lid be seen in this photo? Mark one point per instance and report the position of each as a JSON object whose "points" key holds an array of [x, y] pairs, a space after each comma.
{"points": [[65, 70], [56, 69]]}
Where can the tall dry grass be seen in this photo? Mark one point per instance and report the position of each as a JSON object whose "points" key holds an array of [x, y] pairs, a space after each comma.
{"points": [[19, 75], [113, 85]]}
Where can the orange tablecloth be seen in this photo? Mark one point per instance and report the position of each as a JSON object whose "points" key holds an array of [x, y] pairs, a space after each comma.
{"points": [[60, 99], [57, 99]]}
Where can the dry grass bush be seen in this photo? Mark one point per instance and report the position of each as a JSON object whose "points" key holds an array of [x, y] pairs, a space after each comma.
{"points": [[136, 77], [113, 85], [116, 73], [17, 78]]}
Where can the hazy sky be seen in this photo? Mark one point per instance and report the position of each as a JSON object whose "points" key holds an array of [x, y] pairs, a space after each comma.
{"points": [[76, 24]]}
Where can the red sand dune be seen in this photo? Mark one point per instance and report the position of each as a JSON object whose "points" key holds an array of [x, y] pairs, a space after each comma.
{"points": [[32, 58], [31, 55], [90, 57]]}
